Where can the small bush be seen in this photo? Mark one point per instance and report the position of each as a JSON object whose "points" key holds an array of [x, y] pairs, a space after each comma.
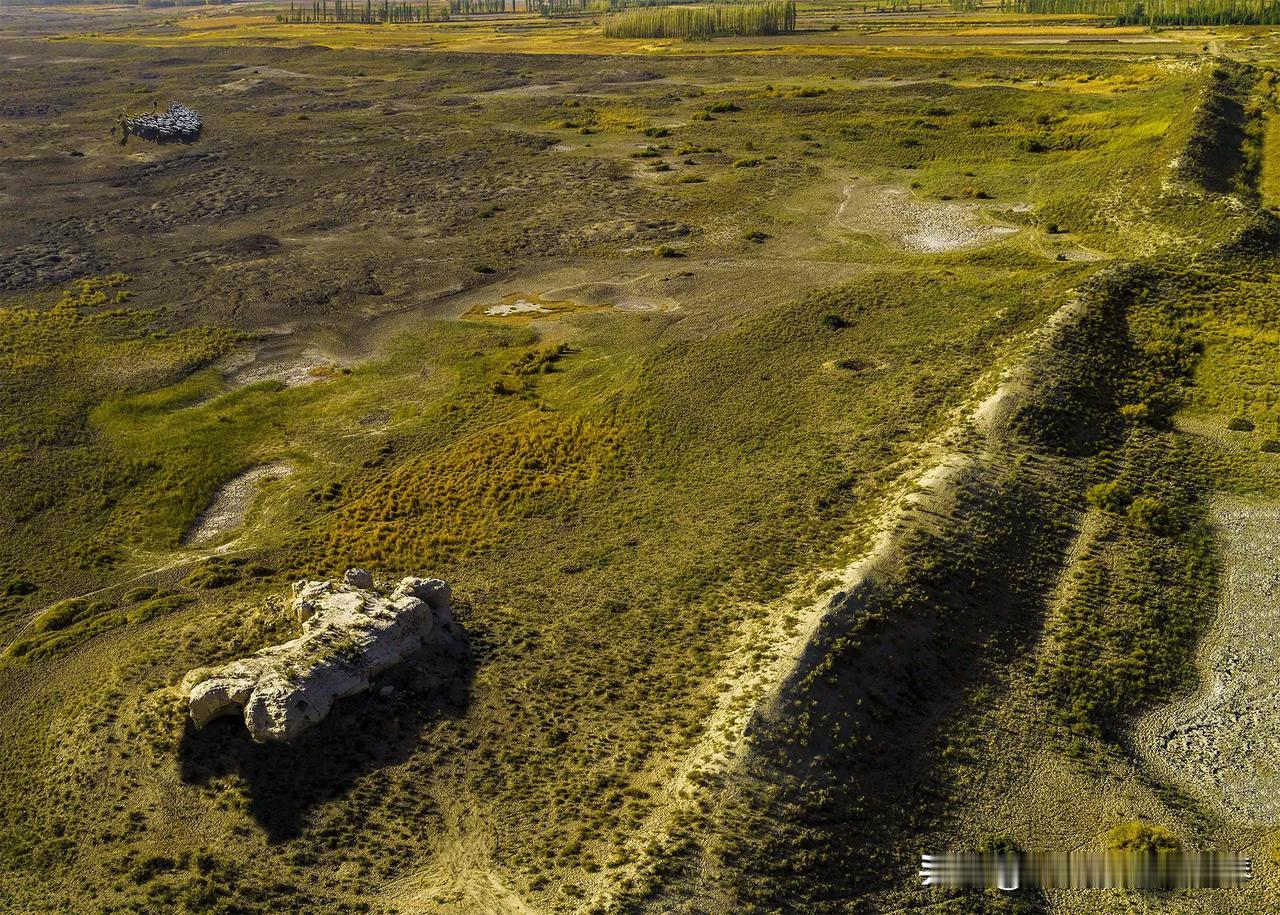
{"points": [[1151, 515], [1240, 424], [211, 576], [667, 251], [158, 606], [1135, 412], [1110, 497], [999, 844], [723, 107], [1270, 446], [834, 321], [19, 587], [63, 614], [1134, 835], [756, 236], [746, 163]]}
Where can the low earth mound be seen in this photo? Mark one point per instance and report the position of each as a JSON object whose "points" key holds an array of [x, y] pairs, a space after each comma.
{"points": [[350, 634]]}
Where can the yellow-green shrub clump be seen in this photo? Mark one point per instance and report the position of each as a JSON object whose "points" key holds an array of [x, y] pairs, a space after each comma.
{"points": [[457, 501]]}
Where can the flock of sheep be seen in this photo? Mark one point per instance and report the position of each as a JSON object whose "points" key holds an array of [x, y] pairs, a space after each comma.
{"points": [[177, 124]]}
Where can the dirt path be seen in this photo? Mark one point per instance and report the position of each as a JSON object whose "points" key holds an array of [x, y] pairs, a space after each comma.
{"points": [[1222, 742]]}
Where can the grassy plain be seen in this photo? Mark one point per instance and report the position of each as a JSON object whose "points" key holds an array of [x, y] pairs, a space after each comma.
{"points": [[629, 494]]}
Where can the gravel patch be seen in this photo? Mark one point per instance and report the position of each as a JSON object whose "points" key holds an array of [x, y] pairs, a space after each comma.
{"points": [[1222, 742], [227, 511], [924, 226]]}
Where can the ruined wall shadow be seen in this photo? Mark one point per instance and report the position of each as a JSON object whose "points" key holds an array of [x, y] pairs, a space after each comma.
{"points": [[362, 733]]}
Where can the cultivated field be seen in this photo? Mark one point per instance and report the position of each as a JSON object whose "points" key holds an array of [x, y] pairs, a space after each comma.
{"points": [[842, 444]]}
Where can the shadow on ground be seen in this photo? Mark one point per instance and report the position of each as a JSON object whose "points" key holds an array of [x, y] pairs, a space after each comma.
{"points": [[362, 734]]}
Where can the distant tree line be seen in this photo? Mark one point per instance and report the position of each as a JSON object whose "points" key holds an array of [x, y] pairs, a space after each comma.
{"points": [[365, 12], [139, 3], [386, 11], [701, 23], [1158, 12], [407, 11]]}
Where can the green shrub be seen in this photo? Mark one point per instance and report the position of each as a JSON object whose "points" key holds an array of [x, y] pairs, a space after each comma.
{"points": [[19, 587], [1240, 424], [63, 614], [158, 606], [1135, 412], [999, 844], [1135, 835], [1270, 446], [667, 251], [1110, 497], [1150, 515], [211, 576]]}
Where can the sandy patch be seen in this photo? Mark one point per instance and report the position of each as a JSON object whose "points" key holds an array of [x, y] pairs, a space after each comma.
{"points": [[520, 306], [1223, 741], [269, 73], [523, 307], [281, 360], [227, 511], [519, 91], [924, 226]]}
